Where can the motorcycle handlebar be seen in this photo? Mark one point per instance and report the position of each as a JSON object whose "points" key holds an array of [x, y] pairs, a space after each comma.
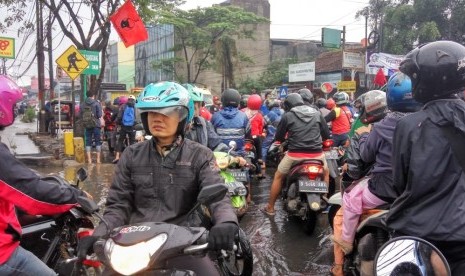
{"points": [[199, 248]]}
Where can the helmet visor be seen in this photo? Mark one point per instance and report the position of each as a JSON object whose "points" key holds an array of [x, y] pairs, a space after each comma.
{"points": [[171, 111]]}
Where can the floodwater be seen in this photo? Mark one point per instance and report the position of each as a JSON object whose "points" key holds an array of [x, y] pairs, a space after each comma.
{"points": [[15, 138], [280, 245]]}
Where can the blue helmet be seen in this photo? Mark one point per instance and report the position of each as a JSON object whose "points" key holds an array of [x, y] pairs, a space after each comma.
{"points": [[164, 96], [399, 94]]}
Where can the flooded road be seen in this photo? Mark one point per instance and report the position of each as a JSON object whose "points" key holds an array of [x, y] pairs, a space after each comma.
{"points": [[280, 246]]}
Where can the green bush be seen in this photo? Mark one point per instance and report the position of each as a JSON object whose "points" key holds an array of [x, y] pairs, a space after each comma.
{"points": [[29, 115]]}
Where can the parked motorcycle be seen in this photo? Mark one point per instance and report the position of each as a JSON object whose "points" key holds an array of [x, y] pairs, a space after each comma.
{"points": [[145, 247], [304, 192], [408, 255], [235, 179], [55, 239]]}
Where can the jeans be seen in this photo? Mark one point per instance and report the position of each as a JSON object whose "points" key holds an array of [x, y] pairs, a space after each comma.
{"points": [[340, 139], [93, 133], [24, 263]]}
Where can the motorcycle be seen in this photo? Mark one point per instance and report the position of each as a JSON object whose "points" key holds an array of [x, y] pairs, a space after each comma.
{"points": [[251, 154], [235, 179], [55, 239], [274, 155], [408, 255], [304, 192], [334, 159], [145, 247]]}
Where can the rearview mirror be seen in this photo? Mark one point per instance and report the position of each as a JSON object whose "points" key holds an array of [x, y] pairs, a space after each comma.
{"points": [[232, 144], [81, 174], [212, 193], [410, 256]]}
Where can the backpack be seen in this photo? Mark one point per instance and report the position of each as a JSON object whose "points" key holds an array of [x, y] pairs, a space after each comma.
{"points": [[107, 116], [88, 117], [129, 116]]}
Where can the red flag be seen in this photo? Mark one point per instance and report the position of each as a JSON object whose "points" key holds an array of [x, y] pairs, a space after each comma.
{"points": [[129, 25], [380, 79]]}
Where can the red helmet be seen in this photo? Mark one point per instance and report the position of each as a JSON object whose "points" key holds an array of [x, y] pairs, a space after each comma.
{"points": [[10, 93], [254, 102], [330, 104]]}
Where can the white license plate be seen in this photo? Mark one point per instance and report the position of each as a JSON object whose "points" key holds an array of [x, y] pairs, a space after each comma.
{"points": [[239, 175], [312, 186], [233, 188], [332, 154]]}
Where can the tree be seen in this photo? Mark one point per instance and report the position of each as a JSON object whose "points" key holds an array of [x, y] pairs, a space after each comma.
{"points": [[205, 38]]}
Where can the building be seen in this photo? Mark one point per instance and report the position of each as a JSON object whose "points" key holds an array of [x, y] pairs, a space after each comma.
{"points": [[120, 66]]}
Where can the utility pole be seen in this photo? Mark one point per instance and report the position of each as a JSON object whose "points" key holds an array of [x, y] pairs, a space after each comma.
{"points": [[40, 65], [50, 56]]}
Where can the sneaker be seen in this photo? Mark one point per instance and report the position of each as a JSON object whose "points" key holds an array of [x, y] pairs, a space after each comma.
{"points": [[347, 247]]}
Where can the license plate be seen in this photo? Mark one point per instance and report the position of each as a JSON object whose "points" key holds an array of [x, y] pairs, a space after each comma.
{"points": [[239, 175], [232, 188], [332, 154], [312, 186]]}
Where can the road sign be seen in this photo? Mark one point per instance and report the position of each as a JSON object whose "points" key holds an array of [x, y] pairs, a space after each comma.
{"points": [[72, 62], [93, 57], [283, 92], [7, 47], [348, 86], [113, 86], [326, 87]]}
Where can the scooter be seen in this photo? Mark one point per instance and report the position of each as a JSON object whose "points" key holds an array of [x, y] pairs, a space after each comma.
{"points": [[274, 155], [334, 156], [55, 239], [145, 247], [235, 179], [304, 192]]}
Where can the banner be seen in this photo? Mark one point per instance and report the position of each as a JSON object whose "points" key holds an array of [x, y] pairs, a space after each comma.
{"points": [[385, 61], [129, 25], [302, 72]]}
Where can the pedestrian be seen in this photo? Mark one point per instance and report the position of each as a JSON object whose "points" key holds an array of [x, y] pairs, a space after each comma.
{"points": [[91, 112], [126, 119], [160, 179]]}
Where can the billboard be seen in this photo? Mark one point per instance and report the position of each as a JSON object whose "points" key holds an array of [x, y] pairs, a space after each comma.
{"points": [[330, 38], [352, 60], [302, 72]]}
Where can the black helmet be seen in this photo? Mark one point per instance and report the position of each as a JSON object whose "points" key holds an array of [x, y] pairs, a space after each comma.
{"points": [[231, 97], [293, 100], [243, 103], [306, 95], [320, 103], [274, 103], [437, 69]]}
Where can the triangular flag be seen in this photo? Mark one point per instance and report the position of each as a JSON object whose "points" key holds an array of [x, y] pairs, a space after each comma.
{"points": [[380, 79], [128, 24]]}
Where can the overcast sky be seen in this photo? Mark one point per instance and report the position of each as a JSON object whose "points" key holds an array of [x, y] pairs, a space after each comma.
{"points": [[290, 19]]}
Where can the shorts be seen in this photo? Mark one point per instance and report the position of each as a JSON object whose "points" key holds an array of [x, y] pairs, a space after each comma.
{"points": [[287, 162]]}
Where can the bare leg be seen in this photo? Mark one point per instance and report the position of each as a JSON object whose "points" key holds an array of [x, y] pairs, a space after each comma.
{"points": [[275, 190]]}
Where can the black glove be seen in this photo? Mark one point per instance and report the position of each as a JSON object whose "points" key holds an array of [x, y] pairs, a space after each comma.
{"points": [[222, 236], [85, 246]]}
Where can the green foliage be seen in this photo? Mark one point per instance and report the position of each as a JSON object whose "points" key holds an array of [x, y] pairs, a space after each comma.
{"points": [[248, 84], [29, 115], [199, 32]]}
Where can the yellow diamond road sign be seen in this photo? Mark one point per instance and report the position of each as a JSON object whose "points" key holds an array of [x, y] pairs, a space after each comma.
{"points": [[72, 62]]}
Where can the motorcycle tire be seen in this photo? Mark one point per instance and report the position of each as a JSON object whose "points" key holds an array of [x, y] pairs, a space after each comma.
{"points": [[239, 263], [332, 213], [310, 221]]}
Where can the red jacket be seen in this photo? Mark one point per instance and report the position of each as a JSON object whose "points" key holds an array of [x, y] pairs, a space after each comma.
{"points": [[21, 187], [256, 125], [341, 124]]}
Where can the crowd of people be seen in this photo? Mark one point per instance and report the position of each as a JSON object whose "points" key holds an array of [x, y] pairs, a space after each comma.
{"points": [[408, 137]]}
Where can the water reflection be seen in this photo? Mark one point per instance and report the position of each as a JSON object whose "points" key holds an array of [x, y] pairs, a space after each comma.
{"points": [[280, 246]]}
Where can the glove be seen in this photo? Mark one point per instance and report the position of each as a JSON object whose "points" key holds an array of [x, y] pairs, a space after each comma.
{"points": [[222, 236], [85, 246]]}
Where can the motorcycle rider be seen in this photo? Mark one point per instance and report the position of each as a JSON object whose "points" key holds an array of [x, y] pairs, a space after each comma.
{"points": [[307, 96], [159, 179], [230, 123], [340, 118], [428, 153], [305, 128], [376, 146], [256, 121], [21, 187], [272, 119], [201, 130], [321, 104]]}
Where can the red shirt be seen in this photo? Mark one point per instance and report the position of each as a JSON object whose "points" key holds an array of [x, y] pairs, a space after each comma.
{"points": [[256, 125], [205, 113]]}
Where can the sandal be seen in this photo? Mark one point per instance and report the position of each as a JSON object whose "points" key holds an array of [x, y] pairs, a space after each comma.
{"points": [[336, 270], [266, 212]]}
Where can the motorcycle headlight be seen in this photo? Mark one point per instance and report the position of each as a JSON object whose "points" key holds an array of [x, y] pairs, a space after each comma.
{"points": [[128, 260], [240, 191]]}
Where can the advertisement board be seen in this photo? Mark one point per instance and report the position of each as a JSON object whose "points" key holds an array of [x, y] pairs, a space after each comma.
{"points": [[302, 72]]}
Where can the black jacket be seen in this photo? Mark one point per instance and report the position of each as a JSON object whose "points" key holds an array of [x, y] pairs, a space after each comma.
{"points": [[305, 127], [148, 187], [427, 176], [203, 132]]}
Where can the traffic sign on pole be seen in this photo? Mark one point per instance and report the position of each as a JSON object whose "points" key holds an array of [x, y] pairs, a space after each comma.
{"points": [[93, 57], [72, 62], [283, 92]]}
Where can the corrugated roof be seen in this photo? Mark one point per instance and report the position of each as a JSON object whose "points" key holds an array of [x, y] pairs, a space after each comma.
{"points": [[328, 62]]}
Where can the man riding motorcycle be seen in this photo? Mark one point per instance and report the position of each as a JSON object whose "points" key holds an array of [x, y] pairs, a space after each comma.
{"points": [[159, 179], [340, 118], [20, 187], [305, 128], [428, 153]]}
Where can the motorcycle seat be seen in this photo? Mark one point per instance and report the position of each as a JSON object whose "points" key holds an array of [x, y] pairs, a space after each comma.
{"points": [[25, 219]]}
